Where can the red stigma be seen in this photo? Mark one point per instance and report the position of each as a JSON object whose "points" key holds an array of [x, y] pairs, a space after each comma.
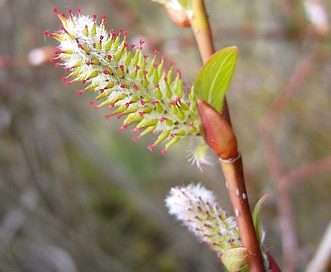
{"points": [[150, 147], [70, 14], [122, 128], [140, 45], [135, 87], [136, 130], [179, 72], [113, 32]]}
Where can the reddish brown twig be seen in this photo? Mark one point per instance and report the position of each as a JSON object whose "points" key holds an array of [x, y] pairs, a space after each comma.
{"points": [[203, 36], [219, 135]]}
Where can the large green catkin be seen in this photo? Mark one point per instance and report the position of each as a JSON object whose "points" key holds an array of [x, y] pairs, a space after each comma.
{"points": [[147, 95]]}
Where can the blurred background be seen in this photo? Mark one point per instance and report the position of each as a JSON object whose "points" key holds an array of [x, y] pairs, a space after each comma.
{"points": [[77, 195]]}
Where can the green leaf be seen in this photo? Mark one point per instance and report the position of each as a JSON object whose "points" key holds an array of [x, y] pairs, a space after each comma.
{"points": [[256, 215], [186, 4], [214, 77]]}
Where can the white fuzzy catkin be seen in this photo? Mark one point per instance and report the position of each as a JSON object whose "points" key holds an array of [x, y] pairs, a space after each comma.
{"points": [[196, 208]]}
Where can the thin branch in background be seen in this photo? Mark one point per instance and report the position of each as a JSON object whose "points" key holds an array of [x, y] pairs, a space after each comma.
{"points": [[292, 13], [288, 234], [282, 180], [310, 169], [203, 36]]}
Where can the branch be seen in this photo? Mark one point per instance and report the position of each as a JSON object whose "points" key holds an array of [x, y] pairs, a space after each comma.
{"points": [[220, 137], [203, 36]]}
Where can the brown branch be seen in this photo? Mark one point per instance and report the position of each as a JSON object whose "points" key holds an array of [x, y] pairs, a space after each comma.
{"points": [[220, 137], [225, 147], [201, 30], [203, 36], [234, 176]]}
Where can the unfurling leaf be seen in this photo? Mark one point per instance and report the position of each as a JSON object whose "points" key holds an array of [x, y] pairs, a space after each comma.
{"points": [[256, 217], [214, 77], [235, 258]]}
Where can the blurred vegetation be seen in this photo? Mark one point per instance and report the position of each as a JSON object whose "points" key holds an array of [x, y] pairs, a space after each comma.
{"points": [[77, 195]]}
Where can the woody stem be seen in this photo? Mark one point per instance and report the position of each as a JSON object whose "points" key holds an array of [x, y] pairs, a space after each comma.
{"points": [[232, 167]]}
